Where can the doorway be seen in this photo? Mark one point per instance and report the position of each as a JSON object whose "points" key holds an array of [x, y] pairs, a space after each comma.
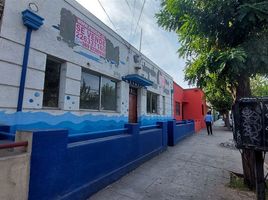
{"points": [[132, 110]]}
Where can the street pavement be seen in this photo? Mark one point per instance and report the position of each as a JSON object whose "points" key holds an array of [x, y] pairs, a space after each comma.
{"points": [[196, 168]]}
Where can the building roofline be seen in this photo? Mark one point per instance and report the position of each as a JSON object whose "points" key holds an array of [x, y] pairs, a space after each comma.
{"points": [[194, 89], [191, 89], [178, 85], [110, 31]]}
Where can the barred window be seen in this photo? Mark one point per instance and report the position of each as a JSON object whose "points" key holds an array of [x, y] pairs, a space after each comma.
{"points": [[151, 102], [52, 82], [1, 8]]}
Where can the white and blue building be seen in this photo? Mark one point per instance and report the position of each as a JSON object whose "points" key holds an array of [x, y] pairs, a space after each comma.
{"points": [[61, 67], [88, 105]]}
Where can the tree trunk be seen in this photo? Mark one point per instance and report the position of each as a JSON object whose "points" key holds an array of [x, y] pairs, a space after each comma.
{"points": [[248, 156], [248, 160], [226, 120], [243, 87]]}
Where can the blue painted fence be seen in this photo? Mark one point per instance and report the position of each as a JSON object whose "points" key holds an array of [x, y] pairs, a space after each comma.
{"points": [[178, 130], [77, 166]]}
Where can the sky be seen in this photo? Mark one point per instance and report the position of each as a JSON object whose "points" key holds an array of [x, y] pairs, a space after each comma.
{"points": [[158, 45]]}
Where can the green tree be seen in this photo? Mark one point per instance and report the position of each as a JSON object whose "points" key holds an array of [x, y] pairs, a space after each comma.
{"points": [[227, 37], [259, 86], [224, 37], [219, 97]]}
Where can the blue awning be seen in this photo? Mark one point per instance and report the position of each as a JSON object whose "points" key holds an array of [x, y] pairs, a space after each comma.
{"points": [[137, 80]]}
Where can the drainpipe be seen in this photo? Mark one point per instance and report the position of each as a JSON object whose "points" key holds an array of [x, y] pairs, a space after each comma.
{"points": [[33, 22]]}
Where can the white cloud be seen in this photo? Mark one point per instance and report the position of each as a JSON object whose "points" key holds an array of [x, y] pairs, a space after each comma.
{"points": [[158, 45]]}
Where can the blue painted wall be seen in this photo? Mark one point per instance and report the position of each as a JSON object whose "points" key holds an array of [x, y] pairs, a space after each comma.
{"points": [[178, 130], [145, 120], [64, 168], [5, 133], [74, 123]]}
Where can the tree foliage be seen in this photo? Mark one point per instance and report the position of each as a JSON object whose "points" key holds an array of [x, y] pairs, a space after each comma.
{"points": [[218, 96], [224, 37], [259, 86]]}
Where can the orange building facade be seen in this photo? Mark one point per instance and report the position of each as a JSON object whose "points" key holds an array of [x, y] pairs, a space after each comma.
{"points": [[189, 104]]}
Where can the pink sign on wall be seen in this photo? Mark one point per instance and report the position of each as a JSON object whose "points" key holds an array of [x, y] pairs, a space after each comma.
{"points": [[89, 38]]}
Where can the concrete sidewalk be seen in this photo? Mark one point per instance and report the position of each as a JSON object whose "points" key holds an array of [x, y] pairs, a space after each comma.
{"points": [[196, 168]]}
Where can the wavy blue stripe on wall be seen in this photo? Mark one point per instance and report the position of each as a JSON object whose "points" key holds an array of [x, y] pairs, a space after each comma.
{"points": [[72, 122], [152, 119]]}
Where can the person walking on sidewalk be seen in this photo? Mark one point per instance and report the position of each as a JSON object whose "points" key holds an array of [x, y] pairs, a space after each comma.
{"points": [[209, 121]]}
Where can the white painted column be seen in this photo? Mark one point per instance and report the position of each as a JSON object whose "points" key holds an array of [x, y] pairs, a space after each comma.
{"points": [[70, 80]]}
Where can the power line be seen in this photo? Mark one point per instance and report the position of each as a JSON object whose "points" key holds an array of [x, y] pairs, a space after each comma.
{"points": [[123, 40], [139, 16], [132, 19], [128, 5], [107, 15]]}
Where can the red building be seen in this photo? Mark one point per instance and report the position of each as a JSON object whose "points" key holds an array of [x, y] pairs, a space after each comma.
{"points": [[178, 101], [190, 104]]}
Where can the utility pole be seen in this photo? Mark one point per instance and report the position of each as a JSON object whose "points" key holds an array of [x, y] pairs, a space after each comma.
{"points": [[140, 41]]}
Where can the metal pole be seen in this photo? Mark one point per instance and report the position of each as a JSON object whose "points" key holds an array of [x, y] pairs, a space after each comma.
{"points": [[259, 174], [14, 144], [24, 69], [140, 41]]}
